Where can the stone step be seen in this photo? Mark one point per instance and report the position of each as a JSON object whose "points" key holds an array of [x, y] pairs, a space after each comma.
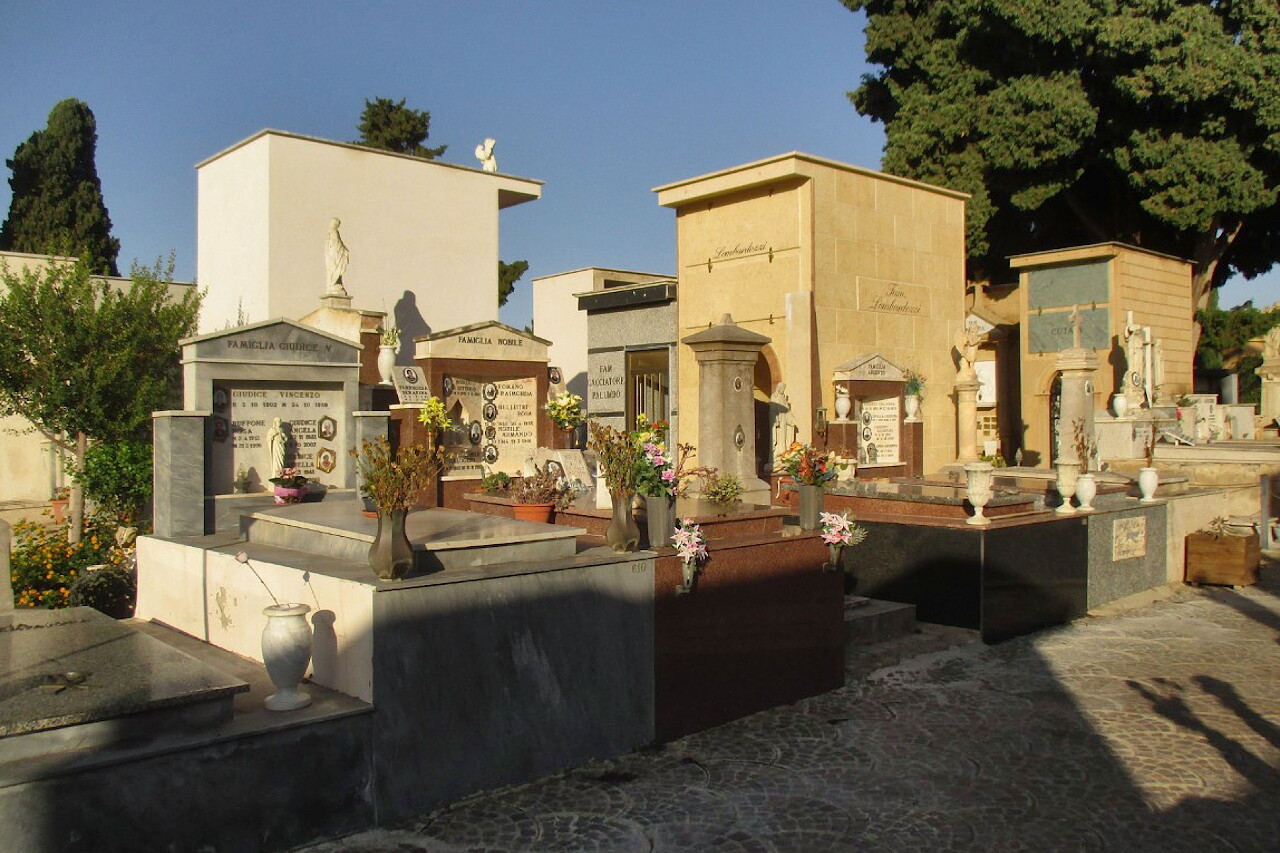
{"points": [[868, 620]]}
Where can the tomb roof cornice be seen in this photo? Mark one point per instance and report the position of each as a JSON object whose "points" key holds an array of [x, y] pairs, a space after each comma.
{"points": [[1092, 251]]}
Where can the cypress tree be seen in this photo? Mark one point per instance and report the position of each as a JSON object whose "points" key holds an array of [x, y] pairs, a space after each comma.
{"points": [[57, 205]]}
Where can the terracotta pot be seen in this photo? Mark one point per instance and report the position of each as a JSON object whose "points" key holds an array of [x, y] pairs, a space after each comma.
{"points": [[59, 508], [391, 555], [540, 513]]}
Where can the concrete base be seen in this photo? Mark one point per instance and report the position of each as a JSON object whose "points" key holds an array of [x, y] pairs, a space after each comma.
{"points": [[874, 621]]}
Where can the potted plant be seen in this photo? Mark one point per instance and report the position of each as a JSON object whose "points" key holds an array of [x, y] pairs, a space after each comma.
{"points": [[839, 531], [1086, 451], [723, 490], [912, 391], [290, 486], [1149, 477], [535, 496], [618, 458], [1218, 555], [495, 483], [392, 481], [691, 548], [810, 469], [388, 344], [58, 505], [659, 478], [565, 411], [286, 647]]}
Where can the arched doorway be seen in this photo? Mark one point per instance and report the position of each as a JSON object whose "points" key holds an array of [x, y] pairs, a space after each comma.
{"points": [[764, 382], [1055, 412]]}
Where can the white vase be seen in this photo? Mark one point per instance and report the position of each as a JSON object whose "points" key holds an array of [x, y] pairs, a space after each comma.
{"points": [[843, 405], [286, 651], [1068, 474], [1119, 404], [978, 477], [386, 363], [1148, 479], [912, 405], [1086, 491]]}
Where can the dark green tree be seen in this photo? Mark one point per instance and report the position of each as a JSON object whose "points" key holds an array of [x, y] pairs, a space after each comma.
{"points": [[1150, 122], [57, 205], [391, 126], [1223, 335], [508, 275], [82, 359]]}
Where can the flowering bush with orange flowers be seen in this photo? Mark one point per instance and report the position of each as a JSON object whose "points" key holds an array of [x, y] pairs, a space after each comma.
{"points": [[43, 565], [807, 465]]}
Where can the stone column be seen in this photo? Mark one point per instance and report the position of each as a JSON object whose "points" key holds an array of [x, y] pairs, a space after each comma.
{"points": [[178, 477], [726, 356], [967, 419], [1077, 366]]}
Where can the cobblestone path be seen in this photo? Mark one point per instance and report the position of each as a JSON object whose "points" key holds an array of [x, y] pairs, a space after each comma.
{"points": [[1157, 729]]}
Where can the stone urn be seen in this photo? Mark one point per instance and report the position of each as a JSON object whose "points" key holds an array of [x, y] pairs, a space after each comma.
{"points": [[1148, 480], [1119, 404], [1086, 491], [843, 404], [386, 363], [978, 477], [286, 651], [1068, 474], [912, 405]]}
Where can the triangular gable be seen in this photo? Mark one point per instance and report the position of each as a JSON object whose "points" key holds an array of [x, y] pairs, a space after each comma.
{"points": [[489, 341], [278, 340], [870, 367]]}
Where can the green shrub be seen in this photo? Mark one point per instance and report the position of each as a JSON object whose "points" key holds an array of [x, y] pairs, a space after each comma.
{"points": [[723, 489], [496, 483], [43, 565], [110, 589], [117, 477]]}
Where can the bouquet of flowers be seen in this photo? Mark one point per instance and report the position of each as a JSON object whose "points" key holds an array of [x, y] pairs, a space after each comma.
{"points": [[915, 383], [691, 548], [565, 409], [389, 337], [618, 456], [838, 530], [807, 465]]}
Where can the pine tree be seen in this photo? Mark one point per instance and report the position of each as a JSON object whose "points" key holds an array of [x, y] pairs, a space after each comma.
{"points": [[57, 205], [391, 126]]}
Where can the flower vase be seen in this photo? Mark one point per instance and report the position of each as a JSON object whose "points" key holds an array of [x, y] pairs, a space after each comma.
{"points": [[834, 550], [1086, 491], [978, 477], [286, 651], [1148, 479], [1120, 404], [386, 363], [1068, 473], [688, 576], [810, 509], [391, 555], [623, 534], [912, 405], [660, 520], [843, 405], [290, 494]]}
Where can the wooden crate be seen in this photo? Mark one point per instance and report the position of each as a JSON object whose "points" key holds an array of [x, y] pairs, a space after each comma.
{"points": [[1225, 560]]}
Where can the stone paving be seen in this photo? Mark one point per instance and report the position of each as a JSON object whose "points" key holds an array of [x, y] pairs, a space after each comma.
{"points": [[1155, 729]]}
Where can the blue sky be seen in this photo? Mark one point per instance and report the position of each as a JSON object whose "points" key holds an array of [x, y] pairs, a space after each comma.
{"points": [[601, 100]]}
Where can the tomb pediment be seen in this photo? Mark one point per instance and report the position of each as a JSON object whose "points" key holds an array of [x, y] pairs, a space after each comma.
{"points": [[871, 367], [277, 340], [491, 341]]}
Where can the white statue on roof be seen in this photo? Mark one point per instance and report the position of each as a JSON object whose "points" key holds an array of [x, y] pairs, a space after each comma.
{"points": [[336, 258], [484, 153]]}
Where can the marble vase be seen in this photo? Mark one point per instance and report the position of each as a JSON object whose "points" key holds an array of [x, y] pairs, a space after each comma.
{"points": [[1068, 474], [391, 555], [286, 651], [1086, 491], [978, 478], [623, 534], [386, 363], [1148, 480]]}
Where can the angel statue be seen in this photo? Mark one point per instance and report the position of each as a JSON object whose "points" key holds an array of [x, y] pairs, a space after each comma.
{"points": [[336, 257], [484, 153], [966, 342]]}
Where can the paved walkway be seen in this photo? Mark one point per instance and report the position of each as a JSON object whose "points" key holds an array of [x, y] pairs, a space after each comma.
{"points": [[1157, 729]]}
